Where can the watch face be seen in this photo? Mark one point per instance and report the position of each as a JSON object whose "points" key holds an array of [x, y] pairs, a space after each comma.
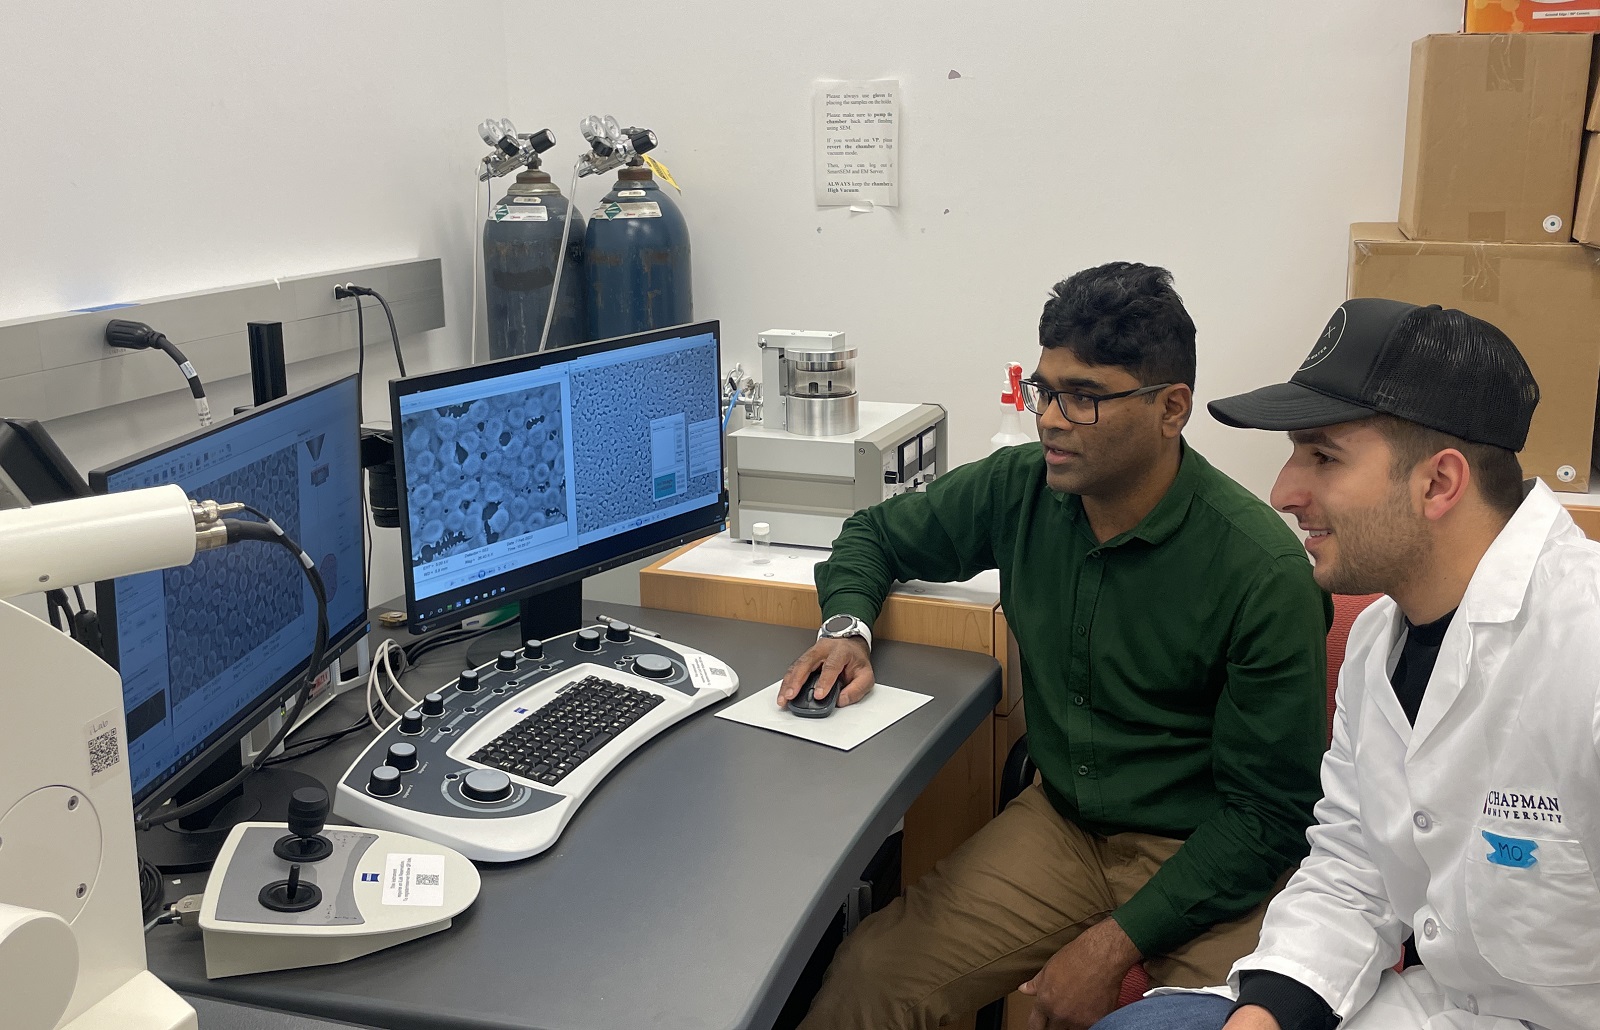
{"points": [[838, 624]]}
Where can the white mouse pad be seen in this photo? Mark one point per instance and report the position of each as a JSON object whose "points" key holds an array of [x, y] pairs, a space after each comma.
{"points": [[844, 729]]}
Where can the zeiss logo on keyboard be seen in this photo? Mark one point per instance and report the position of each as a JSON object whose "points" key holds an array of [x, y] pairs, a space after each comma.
{"points": [[521, 711], [369, 877]]}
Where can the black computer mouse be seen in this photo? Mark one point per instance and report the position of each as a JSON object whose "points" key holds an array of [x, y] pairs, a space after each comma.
{"points": [[807, 705]]}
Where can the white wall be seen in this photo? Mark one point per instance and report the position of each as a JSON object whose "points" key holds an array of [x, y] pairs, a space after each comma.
{"points": [[153, 148], [156, 148], [1231, 142]]}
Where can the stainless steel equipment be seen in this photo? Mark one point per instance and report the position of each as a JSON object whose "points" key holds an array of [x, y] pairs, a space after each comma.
{"points": [[817, 453]]}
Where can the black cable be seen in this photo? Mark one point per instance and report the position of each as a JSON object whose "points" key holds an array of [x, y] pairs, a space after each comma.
{"points": [[151, 891], [266, 530], [83, 605], [394, 334], [138, 336]]}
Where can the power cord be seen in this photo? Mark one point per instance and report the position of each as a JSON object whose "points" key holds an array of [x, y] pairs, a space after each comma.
{"points": [[269, 531], [352, 290], [127, 335]]}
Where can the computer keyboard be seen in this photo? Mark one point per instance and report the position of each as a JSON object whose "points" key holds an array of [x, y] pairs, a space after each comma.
{"points": [[496, 762], [559, 737]]}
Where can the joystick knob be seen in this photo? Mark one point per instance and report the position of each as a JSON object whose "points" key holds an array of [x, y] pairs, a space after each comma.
{"points": [[468, 681], [652, 666], [433, 704], [486, 785], [533, 650], [308, 813], [411, 721], [291, 895], [618, 632], [384, 781], [507, 662], [588, 640], [402, 756]]}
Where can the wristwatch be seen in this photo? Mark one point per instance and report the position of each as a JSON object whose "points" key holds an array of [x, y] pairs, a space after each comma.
{"points": [[846, 626]]}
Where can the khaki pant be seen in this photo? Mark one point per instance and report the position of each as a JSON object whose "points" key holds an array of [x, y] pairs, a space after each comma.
{"points": [[992, 913]]}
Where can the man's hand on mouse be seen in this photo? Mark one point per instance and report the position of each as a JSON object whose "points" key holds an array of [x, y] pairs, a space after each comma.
{"points": [[846, 663]]}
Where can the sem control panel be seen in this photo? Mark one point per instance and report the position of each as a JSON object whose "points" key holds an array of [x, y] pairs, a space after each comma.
{"points": [[495, 763]]}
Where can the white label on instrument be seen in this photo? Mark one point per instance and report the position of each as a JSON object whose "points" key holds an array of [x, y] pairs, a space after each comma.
{"points": [[632, 209], [103, 736], [416, 880], [630, 193], [700, 672], [526, 200], [525, 214]]}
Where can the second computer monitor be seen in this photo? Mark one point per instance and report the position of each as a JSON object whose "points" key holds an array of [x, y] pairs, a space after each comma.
{"points": [[524, 475]]}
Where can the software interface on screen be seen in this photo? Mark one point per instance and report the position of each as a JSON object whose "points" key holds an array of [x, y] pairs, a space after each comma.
{"points": [[201, 645], [507, 471]]}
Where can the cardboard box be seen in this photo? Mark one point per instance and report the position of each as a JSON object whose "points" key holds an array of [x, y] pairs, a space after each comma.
{"points": [[1533, 16], [1586, 219], [1592, 122], [1545, 296], [1493, 128]]}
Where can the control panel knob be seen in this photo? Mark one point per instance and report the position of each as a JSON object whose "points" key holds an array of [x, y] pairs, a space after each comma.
{"points": [[652, 666], [411, 721], [507, 662], [468, 681], [402, 756], [486, 785], [533, 650], [384, 781], [588, 640], [433, 704], [618, 632]]}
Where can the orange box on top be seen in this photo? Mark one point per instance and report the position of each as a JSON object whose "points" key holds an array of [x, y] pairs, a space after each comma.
{"points": [[1533, 16]]}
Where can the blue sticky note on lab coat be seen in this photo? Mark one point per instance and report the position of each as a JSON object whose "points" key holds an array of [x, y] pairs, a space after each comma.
{"points": [[1511, 851]]}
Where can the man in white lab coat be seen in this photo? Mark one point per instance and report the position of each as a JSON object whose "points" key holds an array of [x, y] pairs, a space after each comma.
{"points": [[1461, 822]]}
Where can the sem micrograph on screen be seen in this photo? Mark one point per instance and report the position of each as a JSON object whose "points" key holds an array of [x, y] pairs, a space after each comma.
{"points": [[491, 470], [635, 414], [226, 602]]}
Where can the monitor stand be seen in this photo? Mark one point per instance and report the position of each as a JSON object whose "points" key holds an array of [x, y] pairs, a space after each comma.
{"points": [[553, 612], [192, 843]]}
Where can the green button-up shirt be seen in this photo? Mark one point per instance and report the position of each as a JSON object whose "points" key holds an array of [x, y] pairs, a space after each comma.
{"points": [[1174, 676]]}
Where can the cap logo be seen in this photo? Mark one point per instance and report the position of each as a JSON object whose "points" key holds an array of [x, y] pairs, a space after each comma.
{"points": [[1331, 335]]}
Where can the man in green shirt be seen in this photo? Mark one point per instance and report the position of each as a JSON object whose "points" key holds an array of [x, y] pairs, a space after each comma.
{"points": [[1173, 672]]}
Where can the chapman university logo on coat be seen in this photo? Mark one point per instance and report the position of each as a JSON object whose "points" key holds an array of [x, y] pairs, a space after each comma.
{"points": [[1509, 804], [1332, 333]]}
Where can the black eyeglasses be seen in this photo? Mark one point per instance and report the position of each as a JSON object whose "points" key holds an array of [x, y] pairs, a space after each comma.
{"points": [[1081, 409]]}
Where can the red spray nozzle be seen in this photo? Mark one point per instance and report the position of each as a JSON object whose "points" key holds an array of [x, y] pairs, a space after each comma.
{"points": [[1014, 395]]}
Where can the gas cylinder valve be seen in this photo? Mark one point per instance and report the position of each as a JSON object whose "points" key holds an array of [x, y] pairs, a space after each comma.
{"points": [[612, 146], [512, 150]]}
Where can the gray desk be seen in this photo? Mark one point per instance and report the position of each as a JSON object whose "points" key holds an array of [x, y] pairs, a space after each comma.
{"points": [[689, 890]]}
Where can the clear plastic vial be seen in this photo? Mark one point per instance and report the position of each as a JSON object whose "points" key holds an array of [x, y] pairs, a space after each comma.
{"points": [[760, 544]]}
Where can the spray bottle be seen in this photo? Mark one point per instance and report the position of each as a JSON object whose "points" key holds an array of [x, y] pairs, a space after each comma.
{"points": [[1011, 431]]}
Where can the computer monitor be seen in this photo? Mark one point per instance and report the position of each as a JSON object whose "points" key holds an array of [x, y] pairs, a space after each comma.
{"points": [[208, 650], [520, 477]]}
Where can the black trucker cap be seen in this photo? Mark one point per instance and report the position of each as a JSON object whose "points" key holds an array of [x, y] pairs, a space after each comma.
{"points": [[1439, 368]]}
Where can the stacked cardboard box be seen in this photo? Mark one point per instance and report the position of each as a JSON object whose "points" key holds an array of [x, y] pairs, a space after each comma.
{"points": [[1493, 134]]}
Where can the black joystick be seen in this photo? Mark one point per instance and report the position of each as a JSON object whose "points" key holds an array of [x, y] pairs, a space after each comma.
{"points": [[308, 813], [618, 632], [468, 681], [507, 662], [533, 650], [293, 894], [588, 640]]}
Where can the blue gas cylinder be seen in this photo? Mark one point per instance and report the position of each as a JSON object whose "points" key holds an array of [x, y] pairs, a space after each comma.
{"points": [[636, 259], [521, 239]]}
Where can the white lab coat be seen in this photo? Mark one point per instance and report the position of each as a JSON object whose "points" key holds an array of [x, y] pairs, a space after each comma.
{"points": [[1506, 743]]}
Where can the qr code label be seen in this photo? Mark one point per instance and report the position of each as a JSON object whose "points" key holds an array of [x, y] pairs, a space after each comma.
{"points": [[103, 738], [103, 753], [429, 879], [413, 880]]}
